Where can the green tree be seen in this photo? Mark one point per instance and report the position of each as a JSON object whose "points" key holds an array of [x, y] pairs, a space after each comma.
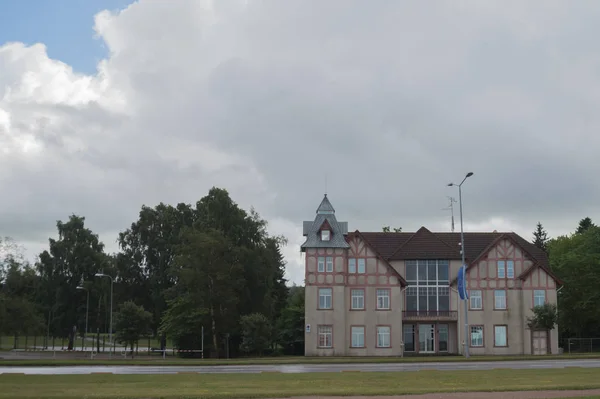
{"points": [[209, 278], [76, 256], [147, 254], [291, 323], [584, 225], [575, 259], [544, 317], [387, 229], [256, 333], [262, 284], [540, 237], [132, 322]]}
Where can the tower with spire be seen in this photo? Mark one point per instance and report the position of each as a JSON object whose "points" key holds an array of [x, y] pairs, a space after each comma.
{"points": [[325, 231]]}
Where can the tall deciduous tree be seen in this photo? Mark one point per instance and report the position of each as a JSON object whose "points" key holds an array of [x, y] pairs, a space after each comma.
{"points": [[209, 278], [576, 261], [76, 256], [540, 237], [387, 229], [148, 251]]}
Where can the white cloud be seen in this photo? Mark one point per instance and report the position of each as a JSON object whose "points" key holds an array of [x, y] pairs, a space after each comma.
{"points": [[387, 100]]}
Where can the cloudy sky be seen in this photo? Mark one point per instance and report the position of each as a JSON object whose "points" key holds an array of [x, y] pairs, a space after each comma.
{"points": [[109, 106]]}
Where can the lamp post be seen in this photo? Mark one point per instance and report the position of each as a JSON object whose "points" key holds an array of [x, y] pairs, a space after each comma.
{"points": [[87, 309], [462, 252], [111, 305]]}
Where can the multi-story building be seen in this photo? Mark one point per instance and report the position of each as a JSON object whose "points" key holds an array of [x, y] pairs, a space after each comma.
{"points": [[394, 294]]}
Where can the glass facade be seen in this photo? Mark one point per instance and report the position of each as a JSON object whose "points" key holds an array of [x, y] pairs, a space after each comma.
{"points": [[428, 285]]}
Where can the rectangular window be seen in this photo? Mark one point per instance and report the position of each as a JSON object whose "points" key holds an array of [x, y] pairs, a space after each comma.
{"points": [[444, 299], [500, 336], [443, 337], [422, 299], [358, 299], [321, 261], [329, 264], [499, 299], [539, 297], [325, 235], [383, 337], [352, 265], [325, 298], [443, 267], [476, 336], [409, 337], [475, 300], [383, 299], [412, 299], [361, 266], [325, 336], [411, 270], [510, 269], [432, 299], [501, 269], [358, 337]]}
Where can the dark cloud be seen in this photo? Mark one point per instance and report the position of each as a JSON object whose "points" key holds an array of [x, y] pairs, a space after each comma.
{"points": [[387, 102]]}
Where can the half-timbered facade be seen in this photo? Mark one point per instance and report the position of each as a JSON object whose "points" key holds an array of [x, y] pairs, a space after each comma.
{"points": [[394, 294]]}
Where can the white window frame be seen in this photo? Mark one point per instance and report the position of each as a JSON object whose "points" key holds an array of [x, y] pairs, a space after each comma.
{"points": [[536, 297], [510, 269], [321, 264], [357, 334], [475, 295], [476, 330], [383, 336], [352, 265], [504, 342], [501, 267], [329, 264], [325, 235], [325, 293], [502, 299], [383, 299], [361, 265], [434, 284], [325, 332], [357, 297]]}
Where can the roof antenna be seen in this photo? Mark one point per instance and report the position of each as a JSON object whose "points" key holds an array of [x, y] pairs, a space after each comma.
{"points": [[451, 208], [326, 184]]}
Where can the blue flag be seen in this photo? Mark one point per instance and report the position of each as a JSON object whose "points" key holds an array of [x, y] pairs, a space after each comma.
{"points": [[462, 283]]}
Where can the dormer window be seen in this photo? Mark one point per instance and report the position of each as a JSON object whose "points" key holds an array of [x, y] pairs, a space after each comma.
{"points": [[325, 234]]}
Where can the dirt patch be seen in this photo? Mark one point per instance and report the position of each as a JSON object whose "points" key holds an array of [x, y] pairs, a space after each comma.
{"points": [[474, 395]]}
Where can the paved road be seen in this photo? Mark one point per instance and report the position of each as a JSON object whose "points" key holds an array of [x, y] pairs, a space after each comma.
{"points": [[305, 368]]}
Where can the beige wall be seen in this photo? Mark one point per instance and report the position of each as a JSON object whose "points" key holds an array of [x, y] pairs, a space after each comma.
{"points": [[482, 277]]}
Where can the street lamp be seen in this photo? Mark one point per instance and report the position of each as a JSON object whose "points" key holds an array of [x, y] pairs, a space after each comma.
{"points": [[462, 252], [87, 309], [111, 304]]}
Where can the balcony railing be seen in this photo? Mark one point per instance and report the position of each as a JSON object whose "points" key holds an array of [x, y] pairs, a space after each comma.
{"points": [[430, 314]]}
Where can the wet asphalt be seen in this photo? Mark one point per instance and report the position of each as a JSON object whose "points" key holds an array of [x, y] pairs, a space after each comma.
{"points": [[304, 368]]}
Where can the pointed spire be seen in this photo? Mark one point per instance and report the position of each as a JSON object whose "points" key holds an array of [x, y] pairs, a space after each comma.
{"points": [[325, 208]]}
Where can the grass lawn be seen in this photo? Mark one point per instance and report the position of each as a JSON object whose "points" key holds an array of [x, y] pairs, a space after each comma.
{"points": [[145, 360], [284, 385]]}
